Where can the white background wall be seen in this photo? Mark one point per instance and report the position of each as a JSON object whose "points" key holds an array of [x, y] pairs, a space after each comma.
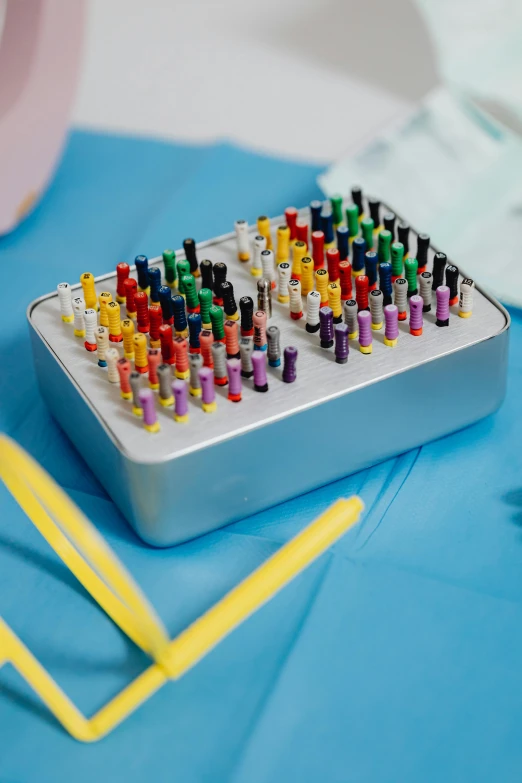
{"points": [[305, 78]]}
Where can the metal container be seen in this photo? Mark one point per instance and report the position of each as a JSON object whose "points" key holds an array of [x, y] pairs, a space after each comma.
{"points": [[334, 420]]}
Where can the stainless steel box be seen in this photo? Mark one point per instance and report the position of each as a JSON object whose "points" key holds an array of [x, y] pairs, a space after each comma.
{"points": [[334, 420]]}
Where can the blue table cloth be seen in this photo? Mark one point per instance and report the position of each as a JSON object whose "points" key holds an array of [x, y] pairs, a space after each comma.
{"points": [[396, 657]]}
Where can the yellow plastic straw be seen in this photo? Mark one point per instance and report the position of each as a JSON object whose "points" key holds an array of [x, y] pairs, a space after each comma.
{"points": [[94, 564]]}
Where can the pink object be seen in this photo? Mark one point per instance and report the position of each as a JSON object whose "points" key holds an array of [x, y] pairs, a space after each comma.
{"points": [[259, 320], [40, 51]]}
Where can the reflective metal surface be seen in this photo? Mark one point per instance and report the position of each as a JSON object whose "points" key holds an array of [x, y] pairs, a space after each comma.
{"points": [[241, 455]]}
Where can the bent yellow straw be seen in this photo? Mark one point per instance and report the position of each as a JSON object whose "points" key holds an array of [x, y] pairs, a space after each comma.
{"points": [[94, 564]]}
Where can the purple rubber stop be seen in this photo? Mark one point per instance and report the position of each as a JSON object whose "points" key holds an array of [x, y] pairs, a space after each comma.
{"points": [[364, 319], [259, 364], [290, 360], [146, 398], [206, 377], [391, 321], [234, 377], [416, 305], [341, 343], [180, 390], [443, 296]]}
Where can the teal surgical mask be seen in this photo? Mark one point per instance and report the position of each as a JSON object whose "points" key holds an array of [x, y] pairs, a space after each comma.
{"points": [[453, 171]]}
